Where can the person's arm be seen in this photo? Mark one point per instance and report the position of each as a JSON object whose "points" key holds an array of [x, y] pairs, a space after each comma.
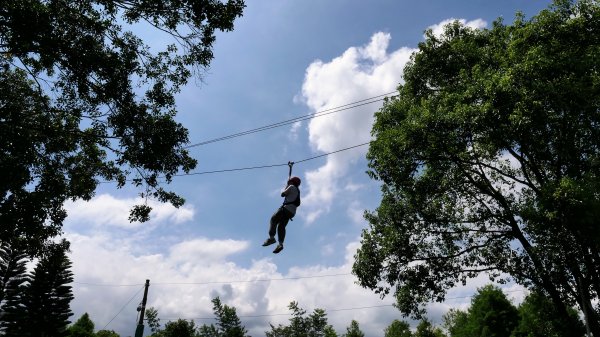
{"points": [[286, 191]]}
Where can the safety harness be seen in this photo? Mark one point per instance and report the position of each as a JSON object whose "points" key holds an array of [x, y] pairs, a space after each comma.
{"points": [[296, 201]]}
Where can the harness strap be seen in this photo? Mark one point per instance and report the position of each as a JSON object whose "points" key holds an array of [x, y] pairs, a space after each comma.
{"points": [[290, 164]]}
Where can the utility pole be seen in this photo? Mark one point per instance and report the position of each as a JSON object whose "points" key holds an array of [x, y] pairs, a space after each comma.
{"points": [[139, 330]]}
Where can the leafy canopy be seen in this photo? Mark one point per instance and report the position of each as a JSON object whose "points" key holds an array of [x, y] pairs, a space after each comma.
{"points": [[84, 100], [489, 160]]}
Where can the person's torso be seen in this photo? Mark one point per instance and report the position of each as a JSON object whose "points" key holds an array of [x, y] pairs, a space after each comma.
{"points": [[291, 193]]}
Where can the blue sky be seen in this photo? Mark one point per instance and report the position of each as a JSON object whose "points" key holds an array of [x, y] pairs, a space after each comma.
{"points": [[283, 60]]}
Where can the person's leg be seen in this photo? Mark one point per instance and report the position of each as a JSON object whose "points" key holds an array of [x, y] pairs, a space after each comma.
{"points": [[281, 228], [275, 220]]}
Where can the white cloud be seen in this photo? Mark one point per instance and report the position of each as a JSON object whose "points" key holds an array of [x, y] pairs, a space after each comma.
{"points": [[107, 210], [438, 29], [293, 135], [205, 249], [359, 73], [352, 187], [185, 278], [355, 211]]}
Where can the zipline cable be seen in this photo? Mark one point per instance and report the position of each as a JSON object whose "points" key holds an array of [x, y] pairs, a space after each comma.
{"points": [[269, 166], [258, 167], [348, 106]]}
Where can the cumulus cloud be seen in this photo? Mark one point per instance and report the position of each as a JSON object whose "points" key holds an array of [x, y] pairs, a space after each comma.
{"points": [[359, 73], [438, 29], [355, 212], [184, 278], [107, 210]]}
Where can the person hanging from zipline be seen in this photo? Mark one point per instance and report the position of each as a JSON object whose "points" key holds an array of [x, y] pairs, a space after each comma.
{"points": [[285, 213]]}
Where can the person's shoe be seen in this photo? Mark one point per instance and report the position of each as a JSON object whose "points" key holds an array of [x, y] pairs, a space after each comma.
{"points": [[278, 248], [269, 242]]}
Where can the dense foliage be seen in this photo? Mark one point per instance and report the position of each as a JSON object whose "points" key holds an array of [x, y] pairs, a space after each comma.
{"points": [[12, 289], [490, 314], [84, 100], [539, 318], [36, 303], [83, 327], [228, 324], [489, 160], [398, 329]]}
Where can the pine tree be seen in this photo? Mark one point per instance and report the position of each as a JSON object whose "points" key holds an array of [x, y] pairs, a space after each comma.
{"points": [[14, 277], [354, 330], [228, 323], [48, 296], [83, 327]]}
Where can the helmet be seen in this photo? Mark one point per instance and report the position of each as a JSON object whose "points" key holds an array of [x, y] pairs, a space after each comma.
{"points": [[295, 181]]}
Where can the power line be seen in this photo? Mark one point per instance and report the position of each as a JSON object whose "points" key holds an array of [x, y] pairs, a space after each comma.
{"points": [[131, 299], [290, 314], [321, 113], [336, 310], [215, 282]]}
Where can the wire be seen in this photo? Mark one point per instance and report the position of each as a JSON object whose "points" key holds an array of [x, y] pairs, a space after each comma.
{"points": [[334, 310], [108, 285], [348, 106], [258, 167], [268, 166], [327, 154], [274, 125], [214, 282], [131, 299], [252, 281], [290, 314]]}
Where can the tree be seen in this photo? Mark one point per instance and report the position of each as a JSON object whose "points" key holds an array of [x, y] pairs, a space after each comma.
{"points": [[491, 314], [12, 285], [313, 325], [83, 327], [426, 329], [107, 333], [329, 331], [82, 100], [539, 318], [398, 329], [207, 331], [488, 159], [48, 295], [228, 323], [179, 328], [456, 322], [152, 319], [354, 330]]}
